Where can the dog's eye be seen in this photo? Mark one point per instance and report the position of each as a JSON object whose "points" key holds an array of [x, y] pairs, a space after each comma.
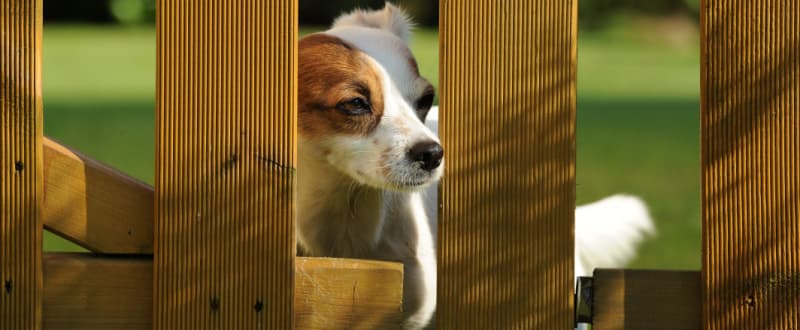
{"points": [[424, 104], [354, 106]]}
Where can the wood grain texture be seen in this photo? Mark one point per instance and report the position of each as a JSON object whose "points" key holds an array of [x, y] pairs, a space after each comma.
{"points": [[507, 199], [82, 291], [348, 294], [646, 299], [20, 164], [95, 206], [751, 164], [225, 157]]}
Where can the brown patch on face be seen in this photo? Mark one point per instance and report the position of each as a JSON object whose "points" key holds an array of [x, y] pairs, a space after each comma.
{"points": [[332, 72]]}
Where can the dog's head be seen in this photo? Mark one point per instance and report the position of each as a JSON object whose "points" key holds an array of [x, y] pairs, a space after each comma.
{"points": [[362, 102]]}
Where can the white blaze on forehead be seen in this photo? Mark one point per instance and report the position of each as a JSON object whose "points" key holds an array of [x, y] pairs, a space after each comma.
{"points": [[386, 48], [398, 114]]}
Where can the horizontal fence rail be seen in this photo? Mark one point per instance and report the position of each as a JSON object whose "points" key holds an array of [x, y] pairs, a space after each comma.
{"points": [[20, 164], [82, 291], [646, 299]]}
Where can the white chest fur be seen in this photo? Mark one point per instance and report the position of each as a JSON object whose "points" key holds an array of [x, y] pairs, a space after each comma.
{"points": [[337, 217]]}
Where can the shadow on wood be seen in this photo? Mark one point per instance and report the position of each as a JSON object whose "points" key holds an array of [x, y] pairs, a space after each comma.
{"points": [[646, 299]]}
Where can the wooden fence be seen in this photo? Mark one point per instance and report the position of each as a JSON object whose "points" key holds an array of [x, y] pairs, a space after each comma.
{"points": [[212, 245]]}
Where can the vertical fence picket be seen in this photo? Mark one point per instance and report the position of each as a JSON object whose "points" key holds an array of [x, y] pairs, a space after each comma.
{"points": [[225, 126], [20, 164], [508, 197]]}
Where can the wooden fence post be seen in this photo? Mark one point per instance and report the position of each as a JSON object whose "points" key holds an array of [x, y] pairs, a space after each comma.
{"points": [[751, 164], [225, 125], [508, 197], [20, 164]]}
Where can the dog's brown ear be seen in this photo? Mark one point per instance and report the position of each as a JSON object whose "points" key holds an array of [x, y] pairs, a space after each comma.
{"points": [[391, 18]]}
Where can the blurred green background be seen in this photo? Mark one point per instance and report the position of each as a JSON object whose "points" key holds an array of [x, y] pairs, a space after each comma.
{"points": [[638, 99]]}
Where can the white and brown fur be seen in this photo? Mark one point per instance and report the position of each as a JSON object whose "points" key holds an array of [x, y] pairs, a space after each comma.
{"points": [[360, 195], [359, 192]]}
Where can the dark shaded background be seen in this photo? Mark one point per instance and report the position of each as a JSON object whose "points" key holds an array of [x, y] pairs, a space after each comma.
{"points": [[593, 13]]}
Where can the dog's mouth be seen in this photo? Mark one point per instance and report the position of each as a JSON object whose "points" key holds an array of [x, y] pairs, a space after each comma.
{"points": [[411, 184], [414, 181], [399, 183]]}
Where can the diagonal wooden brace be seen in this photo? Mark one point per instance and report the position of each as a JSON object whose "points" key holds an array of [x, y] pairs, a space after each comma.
{"points": [[95, 206]]}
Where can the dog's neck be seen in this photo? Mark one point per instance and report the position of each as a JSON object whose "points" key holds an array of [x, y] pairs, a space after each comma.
{"points": [[336, 216]]}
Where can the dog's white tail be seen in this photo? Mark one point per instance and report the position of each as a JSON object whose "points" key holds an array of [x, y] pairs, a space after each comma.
{"points": [[607, 232]]}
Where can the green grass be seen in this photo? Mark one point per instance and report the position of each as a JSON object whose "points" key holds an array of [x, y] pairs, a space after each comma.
{"points": [[99, 96], [638, 132], [638, 122]]}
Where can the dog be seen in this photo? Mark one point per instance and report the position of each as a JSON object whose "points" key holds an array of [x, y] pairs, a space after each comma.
{"points": [[364, 154], [368, 165]]}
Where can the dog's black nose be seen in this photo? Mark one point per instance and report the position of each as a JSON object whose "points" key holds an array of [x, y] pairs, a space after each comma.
{"points": [[429, 153]]}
